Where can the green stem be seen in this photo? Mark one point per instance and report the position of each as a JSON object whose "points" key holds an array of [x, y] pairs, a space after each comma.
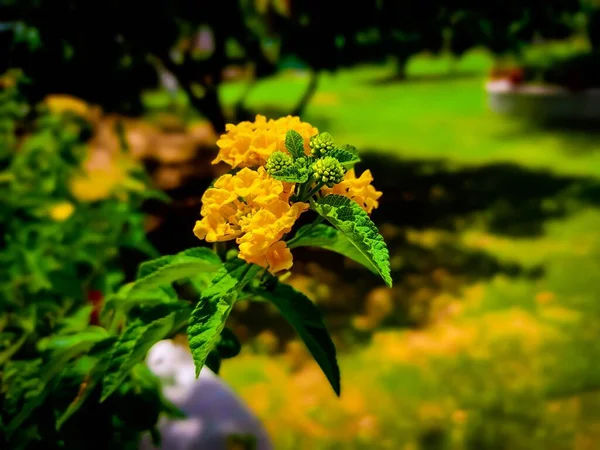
{"points": [[264, 276], [313, 191], [220, 249]]}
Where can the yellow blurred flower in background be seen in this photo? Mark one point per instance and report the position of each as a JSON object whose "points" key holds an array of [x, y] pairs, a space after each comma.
{"points": [[60, 104], [62, 211], [249, 144], [96, 185], [104, 175]]}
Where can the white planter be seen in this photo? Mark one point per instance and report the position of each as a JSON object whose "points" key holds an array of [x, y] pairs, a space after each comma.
{"points": [[214, 411], [543, 102]]}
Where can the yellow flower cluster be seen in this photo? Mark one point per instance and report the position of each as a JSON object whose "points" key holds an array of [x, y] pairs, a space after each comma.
{"points": [[358, 189], [254, 209], [249, 144]]}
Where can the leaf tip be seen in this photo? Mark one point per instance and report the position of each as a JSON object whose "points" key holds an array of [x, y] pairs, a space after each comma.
{"points": [[337, 389]]}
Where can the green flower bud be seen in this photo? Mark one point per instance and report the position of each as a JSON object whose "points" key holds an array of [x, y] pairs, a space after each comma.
{"points": [[278, 161], [329, 171], [321, 144]]}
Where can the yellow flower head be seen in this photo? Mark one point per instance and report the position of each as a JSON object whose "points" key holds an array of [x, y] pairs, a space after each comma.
{"points": [[61, 211], [358, 189], [249, 144], [104, 176], [254, 209]]}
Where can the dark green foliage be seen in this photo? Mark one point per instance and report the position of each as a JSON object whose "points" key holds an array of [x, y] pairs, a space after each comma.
{"points": [[49, 271], [109, 52], [575, 72], [228, 346], [306, 319], [506, 27]]}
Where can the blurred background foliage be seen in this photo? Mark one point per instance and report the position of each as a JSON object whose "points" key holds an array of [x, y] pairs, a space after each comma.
{"points": [[489, 338]]}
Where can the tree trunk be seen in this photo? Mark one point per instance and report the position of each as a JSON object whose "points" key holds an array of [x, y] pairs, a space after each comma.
{"points": [[241, 112], [401, 63], [210, 106], [308, 94]]}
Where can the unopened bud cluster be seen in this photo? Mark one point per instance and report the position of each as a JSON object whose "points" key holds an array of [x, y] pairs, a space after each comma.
{"points": [[321, 144], [329, 171], [278, 161]]}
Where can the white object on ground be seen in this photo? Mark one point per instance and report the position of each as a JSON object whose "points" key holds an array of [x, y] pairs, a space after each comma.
{"points": [[214, 412], [543, 102]]}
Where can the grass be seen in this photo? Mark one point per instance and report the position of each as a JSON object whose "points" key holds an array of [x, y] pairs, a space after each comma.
{"points": [[508, 355], [432, 116]]}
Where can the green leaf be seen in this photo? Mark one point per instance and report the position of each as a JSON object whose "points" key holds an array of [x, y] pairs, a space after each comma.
{"points": [[299, 172], [348, 217], [229, 345], [294, 143], [203, 253], [76, 322], [149, 267], [213, 361], [167, 269], [347, 157], [20, 381], [331, 239], [208, 318], [136, 340], [306, 319], [12, 349], [45, 383], [92, 336], [88, 385]]}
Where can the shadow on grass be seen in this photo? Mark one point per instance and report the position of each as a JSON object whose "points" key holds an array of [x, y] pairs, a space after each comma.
{"points": [[576, 137], [507, 199]]}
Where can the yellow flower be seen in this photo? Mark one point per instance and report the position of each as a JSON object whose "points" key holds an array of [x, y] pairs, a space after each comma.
{"points": [[266, 227], [97, 185], [103, 176], [358, 189], [60, 104], [254, 209], [62, 211], [279, 257], [249, 144]]}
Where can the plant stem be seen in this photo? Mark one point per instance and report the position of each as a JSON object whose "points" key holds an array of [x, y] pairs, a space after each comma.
{"points": [[220, 249], [313, 191]]}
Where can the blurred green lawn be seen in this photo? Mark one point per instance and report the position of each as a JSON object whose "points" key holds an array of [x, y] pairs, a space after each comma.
{"points": [[428, 117]]}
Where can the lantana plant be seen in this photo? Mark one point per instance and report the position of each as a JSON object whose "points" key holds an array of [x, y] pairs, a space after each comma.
{"points": [[280, 169], [70, 369]]}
